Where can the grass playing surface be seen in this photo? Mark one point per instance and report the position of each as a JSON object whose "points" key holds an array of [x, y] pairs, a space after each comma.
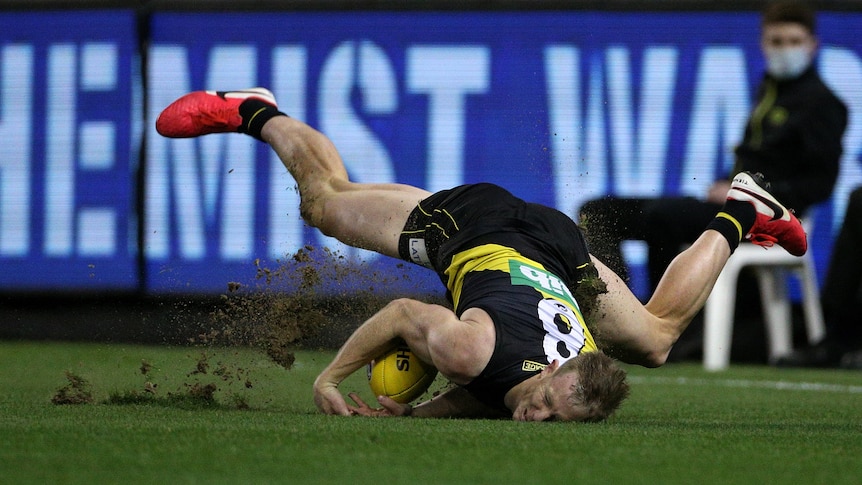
{"points": [[754, 425]]}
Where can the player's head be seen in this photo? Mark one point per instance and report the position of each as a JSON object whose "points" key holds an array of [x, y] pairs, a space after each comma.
{"points": [[788, 38], [589, 387]]}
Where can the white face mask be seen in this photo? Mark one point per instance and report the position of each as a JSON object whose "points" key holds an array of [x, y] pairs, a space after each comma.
{"points": [[787, 62]]}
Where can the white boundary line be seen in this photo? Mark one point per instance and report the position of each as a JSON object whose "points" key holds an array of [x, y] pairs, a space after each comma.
{"points": [[744, 383]]}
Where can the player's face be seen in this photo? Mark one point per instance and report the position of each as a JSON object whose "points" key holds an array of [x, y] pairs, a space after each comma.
{"points": [[549, 401]]}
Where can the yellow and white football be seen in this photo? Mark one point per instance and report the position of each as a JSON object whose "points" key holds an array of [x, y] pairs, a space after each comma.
{"points": [[399, 374]]}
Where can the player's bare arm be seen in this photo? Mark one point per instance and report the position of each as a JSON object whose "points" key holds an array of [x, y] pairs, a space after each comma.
{"points": [[458, 348]]}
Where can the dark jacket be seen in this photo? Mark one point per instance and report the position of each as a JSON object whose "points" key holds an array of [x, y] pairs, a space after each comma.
{"points": [[793, 137]]}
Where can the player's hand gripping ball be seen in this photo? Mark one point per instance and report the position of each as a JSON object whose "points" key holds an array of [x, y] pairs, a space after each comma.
{"points": [[399, 374]]}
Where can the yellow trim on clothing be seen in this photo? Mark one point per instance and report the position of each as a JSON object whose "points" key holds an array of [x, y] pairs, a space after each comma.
{"points": [[725, 215]]}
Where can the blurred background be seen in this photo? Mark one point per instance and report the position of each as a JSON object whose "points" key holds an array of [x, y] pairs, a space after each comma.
{"points": [[109, 231]]}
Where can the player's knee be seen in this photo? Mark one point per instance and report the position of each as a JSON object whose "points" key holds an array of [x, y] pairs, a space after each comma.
{"points": [[322, 213], [308, 212], [655, 352], [655, 359], [311, 209]]}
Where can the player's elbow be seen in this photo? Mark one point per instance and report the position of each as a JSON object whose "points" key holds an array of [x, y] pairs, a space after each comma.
{"points": [[407, 320]]}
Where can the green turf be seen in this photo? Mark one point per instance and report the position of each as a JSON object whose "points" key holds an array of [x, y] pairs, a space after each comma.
{"points": [[680, 425]]}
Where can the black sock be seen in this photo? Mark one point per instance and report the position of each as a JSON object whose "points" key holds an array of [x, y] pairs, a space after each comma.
{"points": [[734, 221], [255, 113]]}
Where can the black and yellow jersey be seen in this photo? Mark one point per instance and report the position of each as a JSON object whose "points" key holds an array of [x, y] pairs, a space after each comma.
{"points": [[515, 260]]}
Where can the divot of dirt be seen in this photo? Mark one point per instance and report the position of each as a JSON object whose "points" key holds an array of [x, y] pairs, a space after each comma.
{"points": [[76, 391]]}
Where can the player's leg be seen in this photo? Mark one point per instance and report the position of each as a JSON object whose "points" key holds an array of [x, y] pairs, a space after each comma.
{"points": [[370, 216], [644, 334]]}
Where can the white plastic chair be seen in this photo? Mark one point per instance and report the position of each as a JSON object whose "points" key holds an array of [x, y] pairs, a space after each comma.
{"points": [[771, 266]]}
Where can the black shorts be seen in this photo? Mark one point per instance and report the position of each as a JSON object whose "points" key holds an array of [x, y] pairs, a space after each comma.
{"points": [[451, 221]]}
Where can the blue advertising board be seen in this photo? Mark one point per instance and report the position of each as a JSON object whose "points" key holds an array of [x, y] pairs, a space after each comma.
{"points": [[558, 107], [67, 124]]}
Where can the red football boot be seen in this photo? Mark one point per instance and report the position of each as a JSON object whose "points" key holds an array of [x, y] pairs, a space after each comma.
{"points": [[774, 223], [204, 112]]}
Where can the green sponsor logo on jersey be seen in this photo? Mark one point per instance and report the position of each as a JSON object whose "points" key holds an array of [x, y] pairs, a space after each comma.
{"points": [[546, 283]]}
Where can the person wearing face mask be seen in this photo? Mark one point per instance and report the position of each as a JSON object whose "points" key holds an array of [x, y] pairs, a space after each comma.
{"points": [[792, 136], [784, 59]]}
